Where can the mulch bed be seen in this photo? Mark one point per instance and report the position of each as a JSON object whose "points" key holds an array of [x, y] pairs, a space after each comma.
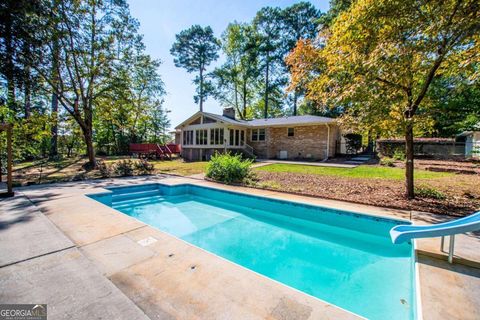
{"points": [[455, 166], [463, 196]]}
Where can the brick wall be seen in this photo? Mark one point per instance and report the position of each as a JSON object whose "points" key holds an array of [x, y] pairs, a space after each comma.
{"points": [[309, 142]]}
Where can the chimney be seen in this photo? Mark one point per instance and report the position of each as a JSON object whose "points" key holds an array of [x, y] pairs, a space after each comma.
{"points": [[229, 113]]}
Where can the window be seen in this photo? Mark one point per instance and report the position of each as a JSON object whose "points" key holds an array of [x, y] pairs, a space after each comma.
{"points": [[237, 137], [201, 137], [208, 120], [188, 137], [216, 136], [291, 132], [258, 134], [196, 121]]}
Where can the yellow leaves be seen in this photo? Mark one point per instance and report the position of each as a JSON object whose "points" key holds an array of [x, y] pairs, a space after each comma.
{"points": [[301, 61]]}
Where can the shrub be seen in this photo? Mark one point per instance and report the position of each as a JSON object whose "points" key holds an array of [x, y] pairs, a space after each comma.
{"points": [[428, 192], [104, 170], [353, 142], [389, 162], [144, 167], [228, 168], [399, 154], [124, 168]]}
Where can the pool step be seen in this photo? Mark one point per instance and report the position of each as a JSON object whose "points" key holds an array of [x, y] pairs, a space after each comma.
{"points": [[135, 195], [137, 201], [139, 188]]}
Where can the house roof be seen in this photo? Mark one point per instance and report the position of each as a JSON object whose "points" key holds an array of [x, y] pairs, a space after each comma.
{"points": [[225, 119], [293, 120], [270, 122], [211, 115]]}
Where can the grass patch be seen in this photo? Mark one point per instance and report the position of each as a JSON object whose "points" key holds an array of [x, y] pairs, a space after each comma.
{"points": [[363, 172], [178, 166]]}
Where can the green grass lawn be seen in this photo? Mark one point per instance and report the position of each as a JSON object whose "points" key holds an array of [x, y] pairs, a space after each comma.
{"points": [[178, 166], [365, 171]]}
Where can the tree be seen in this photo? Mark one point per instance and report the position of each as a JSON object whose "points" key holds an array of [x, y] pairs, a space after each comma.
{"points": [[194, 49], [87, 33], [267, 23], [336, 7], [17, 22], [55, 79], [299, 22], [236, 80], [126, 112], [383, 55], [85, 57], [455, 104]]}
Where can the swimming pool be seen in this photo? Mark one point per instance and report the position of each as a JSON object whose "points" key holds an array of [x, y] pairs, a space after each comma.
{"points": [[343, 258]]}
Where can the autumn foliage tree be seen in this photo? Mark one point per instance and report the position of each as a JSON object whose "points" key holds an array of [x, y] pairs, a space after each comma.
{"points": [[379, 58]]}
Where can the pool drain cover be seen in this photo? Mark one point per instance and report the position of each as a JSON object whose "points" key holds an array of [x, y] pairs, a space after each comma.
{"points": [[147, 241]]}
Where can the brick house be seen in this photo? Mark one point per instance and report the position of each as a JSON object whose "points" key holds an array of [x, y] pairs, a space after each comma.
{"points": [[296, 137]]}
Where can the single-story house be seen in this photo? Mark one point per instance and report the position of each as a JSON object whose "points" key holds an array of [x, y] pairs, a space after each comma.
{"points": [[296, 137]]}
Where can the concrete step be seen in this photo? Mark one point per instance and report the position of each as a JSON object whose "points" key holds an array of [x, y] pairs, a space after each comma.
{"points": [[361, 158], [354, 162]]}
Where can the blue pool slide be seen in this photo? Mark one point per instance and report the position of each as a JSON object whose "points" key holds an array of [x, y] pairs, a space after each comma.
{"points": [[403, 233]]}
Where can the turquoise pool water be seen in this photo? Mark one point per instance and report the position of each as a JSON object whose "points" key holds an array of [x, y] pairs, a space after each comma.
{"points": [[344, 258]]}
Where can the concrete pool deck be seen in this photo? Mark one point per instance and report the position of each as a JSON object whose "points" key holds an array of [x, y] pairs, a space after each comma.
{"points": [[87, 260]]}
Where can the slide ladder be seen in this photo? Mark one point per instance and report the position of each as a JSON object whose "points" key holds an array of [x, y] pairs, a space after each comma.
{"points": [[403, 233]]}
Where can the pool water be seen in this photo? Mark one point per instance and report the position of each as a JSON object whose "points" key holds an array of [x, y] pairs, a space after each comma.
{"points": [[343, 258]]}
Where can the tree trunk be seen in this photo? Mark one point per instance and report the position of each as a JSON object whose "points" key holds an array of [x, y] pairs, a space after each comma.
{"points": [[27, 94], [87, 136], [295, 98], [54, 128], [244, 110], [27, 84], [236, 94], [409, 182], [201, 89], [54, 102], [265, 112], [9, 66]]}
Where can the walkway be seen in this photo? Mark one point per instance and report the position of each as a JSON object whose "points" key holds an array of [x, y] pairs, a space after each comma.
{"points": [[39, 264]]}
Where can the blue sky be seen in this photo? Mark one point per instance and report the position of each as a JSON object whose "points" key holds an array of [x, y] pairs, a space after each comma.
{"points": [[160, 20]]}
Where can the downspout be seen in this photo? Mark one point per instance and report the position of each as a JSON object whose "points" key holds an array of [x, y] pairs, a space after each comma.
{"points": [[328, 142]]}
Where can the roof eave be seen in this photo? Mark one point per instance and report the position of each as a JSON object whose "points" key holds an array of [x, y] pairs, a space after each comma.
{"points": [[290, 124]]}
